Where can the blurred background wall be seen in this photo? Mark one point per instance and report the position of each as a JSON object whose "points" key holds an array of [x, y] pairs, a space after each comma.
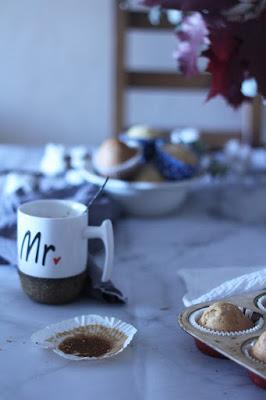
{"points": [[56, 75]]}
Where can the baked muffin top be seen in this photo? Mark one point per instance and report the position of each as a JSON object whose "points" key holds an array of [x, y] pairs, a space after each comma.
{"points": [[112, 153], [148, 173], [181, 153], [259, 349], [223, 316], [142, 132]]}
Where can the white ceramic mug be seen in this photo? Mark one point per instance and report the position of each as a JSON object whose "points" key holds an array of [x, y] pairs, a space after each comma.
{"points": [[53, 239]]}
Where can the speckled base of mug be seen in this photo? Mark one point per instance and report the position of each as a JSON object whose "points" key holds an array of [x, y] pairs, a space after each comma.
{"points": [[53, 291]]}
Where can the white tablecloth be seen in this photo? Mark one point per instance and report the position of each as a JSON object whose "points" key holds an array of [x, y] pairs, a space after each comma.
{"points": [[162, 362]]}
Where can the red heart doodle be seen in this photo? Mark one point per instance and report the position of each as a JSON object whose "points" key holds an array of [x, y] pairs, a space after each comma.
{"points": [[56, 260]]}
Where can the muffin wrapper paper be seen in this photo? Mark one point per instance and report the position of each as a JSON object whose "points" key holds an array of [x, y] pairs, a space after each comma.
{"points": [[119, 333], [246, 349], [261, 303], [194, 317]]}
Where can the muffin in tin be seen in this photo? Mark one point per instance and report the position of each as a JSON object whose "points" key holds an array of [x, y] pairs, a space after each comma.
{"points": [[222, 316], [258, 351]]}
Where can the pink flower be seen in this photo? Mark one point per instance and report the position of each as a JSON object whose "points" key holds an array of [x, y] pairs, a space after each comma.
{"points": [[230, 33], [193, 39]]}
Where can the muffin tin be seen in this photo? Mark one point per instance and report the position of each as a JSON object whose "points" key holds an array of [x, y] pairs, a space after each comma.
{"points": [[234, 347]]}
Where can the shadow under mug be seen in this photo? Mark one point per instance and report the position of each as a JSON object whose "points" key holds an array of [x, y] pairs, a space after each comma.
{"points": [[52, 244]]}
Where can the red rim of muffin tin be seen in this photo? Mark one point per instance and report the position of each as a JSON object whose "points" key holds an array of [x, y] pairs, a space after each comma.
{"points": [[257, 380], [209, 351]]}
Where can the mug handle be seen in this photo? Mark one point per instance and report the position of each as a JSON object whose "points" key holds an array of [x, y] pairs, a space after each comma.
{"points": [[106, 234]]}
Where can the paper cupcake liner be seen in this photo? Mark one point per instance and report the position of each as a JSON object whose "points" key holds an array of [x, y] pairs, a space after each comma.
{"points": [[195, 316], [261, 303], [119, 333], [247, 351]]}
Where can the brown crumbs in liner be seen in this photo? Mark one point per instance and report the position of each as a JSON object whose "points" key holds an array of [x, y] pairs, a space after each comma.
{"points": [[85, 345]]}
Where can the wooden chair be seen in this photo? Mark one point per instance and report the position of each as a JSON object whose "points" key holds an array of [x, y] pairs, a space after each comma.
{"points": [[127, 20]]}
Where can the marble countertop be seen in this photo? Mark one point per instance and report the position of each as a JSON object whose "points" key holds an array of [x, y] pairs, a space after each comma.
{"points": [[162, 362]]}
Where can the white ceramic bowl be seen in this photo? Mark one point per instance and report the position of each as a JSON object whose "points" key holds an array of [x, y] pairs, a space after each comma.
{"points": [[144, 198]]}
